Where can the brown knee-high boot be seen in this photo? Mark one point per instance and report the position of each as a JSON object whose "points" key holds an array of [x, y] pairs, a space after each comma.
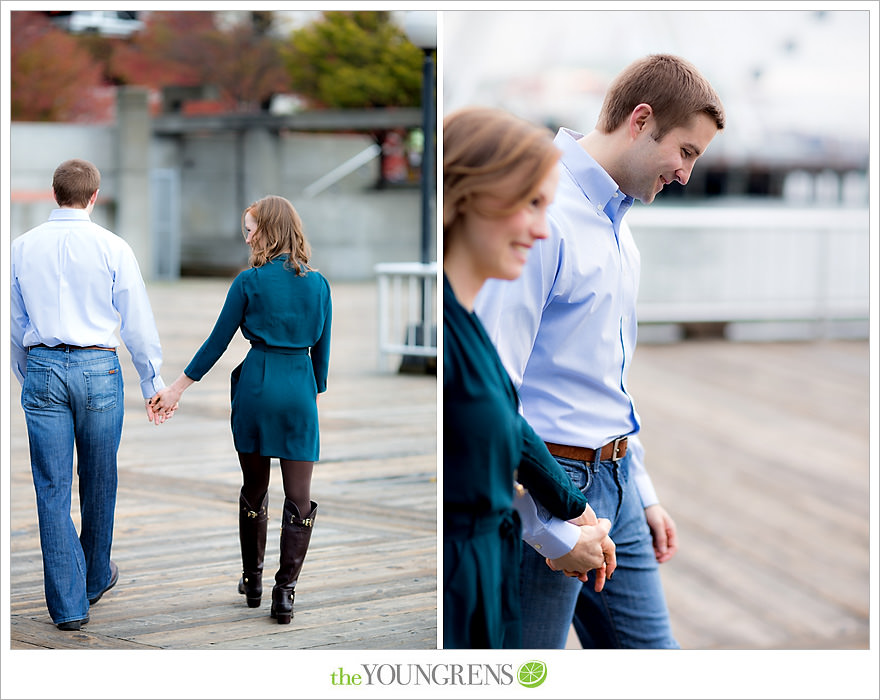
{"points": [[295, 535], [252, 535]]}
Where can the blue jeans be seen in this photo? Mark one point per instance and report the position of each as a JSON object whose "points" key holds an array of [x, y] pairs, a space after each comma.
{"points": [[630, 612], [74, 398]]}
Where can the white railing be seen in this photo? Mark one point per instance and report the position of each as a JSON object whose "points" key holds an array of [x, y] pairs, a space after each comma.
{"points": [[407, 304], [752, 264]]}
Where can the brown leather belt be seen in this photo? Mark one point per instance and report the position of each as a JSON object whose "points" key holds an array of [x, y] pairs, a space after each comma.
{"points": [[73, 347], [612, 452]]}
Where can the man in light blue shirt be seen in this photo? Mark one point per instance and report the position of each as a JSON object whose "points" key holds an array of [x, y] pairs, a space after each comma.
{"points": [[73, 284], [566, 333]]}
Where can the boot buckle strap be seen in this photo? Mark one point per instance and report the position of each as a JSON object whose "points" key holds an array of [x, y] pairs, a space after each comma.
{"points": [[305, 522]]}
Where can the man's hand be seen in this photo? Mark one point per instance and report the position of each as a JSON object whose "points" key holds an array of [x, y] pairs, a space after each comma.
{"points": [[663, 532], [154, 416], [157, 412], [593, 550]]}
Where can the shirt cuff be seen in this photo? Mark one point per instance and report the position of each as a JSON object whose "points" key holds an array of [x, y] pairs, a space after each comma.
{"points": [[547, 535], [149, 387]]}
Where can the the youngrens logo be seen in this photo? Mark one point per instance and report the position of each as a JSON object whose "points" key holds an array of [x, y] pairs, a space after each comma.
{"points": [[531, 674]]}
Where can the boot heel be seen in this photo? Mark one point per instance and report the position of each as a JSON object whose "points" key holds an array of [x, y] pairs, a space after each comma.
{"points": [[282, 617], [282, 605], [253, 591]]}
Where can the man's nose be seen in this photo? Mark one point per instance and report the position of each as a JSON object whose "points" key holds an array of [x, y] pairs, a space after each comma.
{"points": [[683, 174]]}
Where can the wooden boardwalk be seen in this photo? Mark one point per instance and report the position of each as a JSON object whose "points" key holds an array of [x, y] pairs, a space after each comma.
{"points": [[369, 581], [759, 451]]}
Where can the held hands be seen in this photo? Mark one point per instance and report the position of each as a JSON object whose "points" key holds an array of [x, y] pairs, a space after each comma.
{"points": [[165, 401], [158, 415], [593, 550]]}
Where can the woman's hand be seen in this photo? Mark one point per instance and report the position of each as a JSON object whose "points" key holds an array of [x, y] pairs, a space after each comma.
{"points": [[167, 400]]}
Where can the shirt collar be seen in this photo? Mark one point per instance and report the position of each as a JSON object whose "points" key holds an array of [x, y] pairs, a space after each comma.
{"points": [[69, 214], [598, 186]]}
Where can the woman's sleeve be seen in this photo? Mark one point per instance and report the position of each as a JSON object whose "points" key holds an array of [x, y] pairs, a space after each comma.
{"points": [[320, 352], [229, 321], [548, 483]]}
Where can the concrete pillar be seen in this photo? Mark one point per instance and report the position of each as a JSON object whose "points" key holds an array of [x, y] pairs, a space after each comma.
{"points": [[133, 136], [260, 166]]}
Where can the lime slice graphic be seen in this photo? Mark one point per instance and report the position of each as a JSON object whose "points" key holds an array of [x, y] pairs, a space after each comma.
{"points": [[532, 673]]}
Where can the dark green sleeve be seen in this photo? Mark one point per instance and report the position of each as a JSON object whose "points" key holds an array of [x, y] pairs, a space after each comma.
{"points": [[229, 321], [320, 353], [545, 480]]}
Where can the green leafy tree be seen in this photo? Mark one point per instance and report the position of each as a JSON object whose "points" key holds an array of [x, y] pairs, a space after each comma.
{"points": [[355, 59]]}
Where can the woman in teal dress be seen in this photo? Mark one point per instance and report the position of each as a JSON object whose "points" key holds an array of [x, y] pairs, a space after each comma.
{"points": [[283, 307], [499, 176]]}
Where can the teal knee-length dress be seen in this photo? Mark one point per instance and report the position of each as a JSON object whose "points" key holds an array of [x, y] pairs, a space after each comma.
{"points": [[486, 444], [286, 317]]}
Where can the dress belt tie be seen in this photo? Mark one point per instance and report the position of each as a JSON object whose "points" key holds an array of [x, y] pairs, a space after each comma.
{"points": [[262, 347]]}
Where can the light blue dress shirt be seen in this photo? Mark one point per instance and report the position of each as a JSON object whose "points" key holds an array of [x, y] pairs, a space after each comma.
{"points": [[75, 283], [566, 328]]}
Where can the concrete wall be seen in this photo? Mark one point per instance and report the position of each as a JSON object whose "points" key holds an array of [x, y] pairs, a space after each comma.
{"points": [[351, 225], [35, 150]]}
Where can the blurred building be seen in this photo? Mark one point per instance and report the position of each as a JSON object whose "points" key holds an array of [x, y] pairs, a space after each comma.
{"points": [[794, 83], [112, 23]]}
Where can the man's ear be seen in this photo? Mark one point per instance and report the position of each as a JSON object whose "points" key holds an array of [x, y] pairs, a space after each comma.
{"points": [[640, 119], [94, 197]]}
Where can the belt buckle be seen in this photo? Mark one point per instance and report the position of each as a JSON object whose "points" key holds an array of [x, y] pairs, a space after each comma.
{"points": [[615, 456]]}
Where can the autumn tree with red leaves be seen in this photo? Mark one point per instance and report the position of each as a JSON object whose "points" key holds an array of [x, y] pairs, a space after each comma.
{"points": [[188, 49], [52, 74]]}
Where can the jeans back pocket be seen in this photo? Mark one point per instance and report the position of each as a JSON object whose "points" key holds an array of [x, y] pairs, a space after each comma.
{"points": [[102, 388], [35, 389]]}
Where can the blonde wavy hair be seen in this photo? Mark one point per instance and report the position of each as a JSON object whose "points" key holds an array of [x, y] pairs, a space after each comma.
{"points": [[488, 151], [279, 231]]}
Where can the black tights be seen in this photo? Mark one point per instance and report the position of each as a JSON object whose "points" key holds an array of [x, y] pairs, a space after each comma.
{"points": [[296, 476]]}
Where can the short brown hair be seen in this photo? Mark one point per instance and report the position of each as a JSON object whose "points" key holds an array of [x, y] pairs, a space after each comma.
{"points": [[488, 151], [673, 87], [279, 231], [74, 183]]}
